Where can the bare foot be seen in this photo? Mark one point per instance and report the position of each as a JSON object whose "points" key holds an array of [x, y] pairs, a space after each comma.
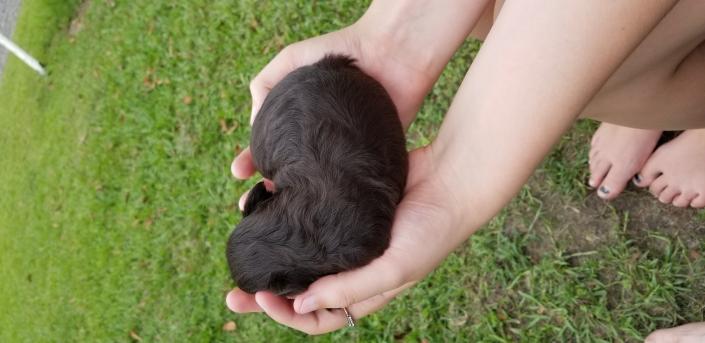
{"points": [[617, 153], [689, 333], [675, 173]]}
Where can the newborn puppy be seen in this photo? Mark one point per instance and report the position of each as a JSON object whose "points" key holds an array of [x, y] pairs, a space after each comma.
{"points": [[330, 139]]}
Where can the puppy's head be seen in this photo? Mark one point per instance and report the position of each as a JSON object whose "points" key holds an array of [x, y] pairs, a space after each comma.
{"points": [[278, 245], [260, 257], [258, 253]]}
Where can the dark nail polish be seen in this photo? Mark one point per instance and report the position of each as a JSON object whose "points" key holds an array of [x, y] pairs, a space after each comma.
{"points": [[604, 189], [637, 178]]}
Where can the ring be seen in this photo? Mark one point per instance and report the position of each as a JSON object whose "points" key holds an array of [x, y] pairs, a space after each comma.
{"points": [[351, 322]]}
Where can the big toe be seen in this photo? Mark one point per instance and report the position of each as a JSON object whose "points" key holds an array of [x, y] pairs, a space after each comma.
{"points": [[598, 171], [615, 182]]}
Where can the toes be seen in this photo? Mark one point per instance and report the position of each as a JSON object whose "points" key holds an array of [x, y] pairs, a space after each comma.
{"points": [[645, 178], [683, 200], [657, 186], [668, 194], [614, 183], [598, 170], [648, 174], [698, 202]]}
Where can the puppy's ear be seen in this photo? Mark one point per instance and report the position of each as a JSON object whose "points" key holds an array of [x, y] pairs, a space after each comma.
{"points": [[257, 195]]}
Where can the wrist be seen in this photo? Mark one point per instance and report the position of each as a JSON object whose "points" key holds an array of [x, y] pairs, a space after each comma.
{"points": [[469, 194], [420, 33]]}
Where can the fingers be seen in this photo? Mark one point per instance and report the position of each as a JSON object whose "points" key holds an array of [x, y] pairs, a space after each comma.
{"points": [[241, 302], [243, 167], [243, 200], [280, 309], [272, 73], [320, 321], [346, 288], [376, 302]]}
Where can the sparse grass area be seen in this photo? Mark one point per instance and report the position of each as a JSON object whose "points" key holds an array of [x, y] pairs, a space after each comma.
{"points": [[116, 199]]}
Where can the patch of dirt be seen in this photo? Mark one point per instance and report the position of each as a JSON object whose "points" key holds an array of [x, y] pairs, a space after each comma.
{"points": [[585, 225], [647, 214], [562, 223], [77, 22]]}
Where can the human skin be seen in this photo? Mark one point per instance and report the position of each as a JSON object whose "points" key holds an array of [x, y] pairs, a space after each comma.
{"points": [[567, 52], [660, 87]]}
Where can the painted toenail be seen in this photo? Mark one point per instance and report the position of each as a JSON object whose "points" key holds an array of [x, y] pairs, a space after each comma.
{"points": [[637, 178], [604, 190]]}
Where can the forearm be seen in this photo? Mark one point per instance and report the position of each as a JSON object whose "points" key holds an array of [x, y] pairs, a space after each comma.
{"points": [[429, 30], [541, 64]]}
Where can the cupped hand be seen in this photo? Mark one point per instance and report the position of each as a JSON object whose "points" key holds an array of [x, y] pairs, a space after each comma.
{"points": [[396, 68], [427, 227], [425, 218]]}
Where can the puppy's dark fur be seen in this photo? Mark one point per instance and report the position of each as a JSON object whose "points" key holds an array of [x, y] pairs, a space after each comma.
{"points": [[329, 138]]}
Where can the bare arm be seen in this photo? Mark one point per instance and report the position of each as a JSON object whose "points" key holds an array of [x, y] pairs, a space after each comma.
{"points": [[541, 64]]}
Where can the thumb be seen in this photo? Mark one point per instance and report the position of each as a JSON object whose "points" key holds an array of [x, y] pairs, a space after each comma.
{"points": [[269, 76], [344, 289], [243, 167]]}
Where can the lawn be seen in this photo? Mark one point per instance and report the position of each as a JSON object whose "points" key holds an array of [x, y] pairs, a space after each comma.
{"points": [[116, 198]]}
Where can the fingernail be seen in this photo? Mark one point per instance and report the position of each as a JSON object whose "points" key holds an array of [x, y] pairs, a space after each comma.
{"points": [[604, 190], [591, 183], [230, 304], [308, 304], [637, 179]]}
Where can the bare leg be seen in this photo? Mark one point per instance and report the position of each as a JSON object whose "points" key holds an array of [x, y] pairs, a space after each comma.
{"points": [[675, 173], [658, 87]]}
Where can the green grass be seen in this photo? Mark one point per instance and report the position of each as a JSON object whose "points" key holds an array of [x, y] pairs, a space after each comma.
{"points": [[116, 199]]}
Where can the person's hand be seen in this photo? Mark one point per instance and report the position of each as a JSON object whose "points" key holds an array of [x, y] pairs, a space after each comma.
{"points": [[397, 71], [428, 225], [405, 46]]}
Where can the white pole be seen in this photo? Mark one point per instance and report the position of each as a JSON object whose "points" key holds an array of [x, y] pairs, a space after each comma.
{"points": [[21, 54]]}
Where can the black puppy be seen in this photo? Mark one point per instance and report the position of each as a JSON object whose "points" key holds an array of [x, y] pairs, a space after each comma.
{"points": [[329, 138]]}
